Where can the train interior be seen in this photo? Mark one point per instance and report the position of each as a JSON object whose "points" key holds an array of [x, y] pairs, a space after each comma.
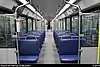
{"points": [[49, 31]]}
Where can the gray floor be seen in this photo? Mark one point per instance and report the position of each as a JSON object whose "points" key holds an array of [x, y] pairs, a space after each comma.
{"points": [[48, 54]]}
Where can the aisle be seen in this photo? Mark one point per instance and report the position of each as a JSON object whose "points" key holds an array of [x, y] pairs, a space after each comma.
{"points": [[48, 54]]}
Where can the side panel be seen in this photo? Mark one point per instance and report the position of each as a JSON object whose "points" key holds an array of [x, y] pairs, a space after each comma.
{"points": [[7, 3], [8, 56], [86, 3], [89, 55]]}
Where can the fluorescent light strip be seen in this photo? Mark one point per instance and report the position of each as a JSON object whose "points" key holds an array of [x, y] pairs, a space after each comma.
{"points": [[30, 7], [65, 7]]}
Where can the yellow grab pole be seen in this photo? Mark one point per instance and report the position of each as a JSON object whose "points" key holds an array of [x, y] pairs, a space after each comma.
{"points": [[98, 57]]}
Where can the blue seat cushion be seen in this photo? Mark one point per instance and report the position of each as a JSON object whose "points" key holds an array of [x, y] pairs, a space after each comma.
{"points": [[68, 57], [28, 58]]}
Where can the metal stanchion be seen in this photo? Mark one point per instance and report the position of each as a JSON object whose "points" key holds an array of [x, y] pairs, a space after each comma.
{"points": [[79, 46], [17, 32]]}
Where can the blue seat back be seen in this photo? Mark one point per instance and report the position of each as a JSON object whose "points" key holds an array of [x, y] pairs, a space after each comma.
{"points": [[68, 46], [28, 47]]}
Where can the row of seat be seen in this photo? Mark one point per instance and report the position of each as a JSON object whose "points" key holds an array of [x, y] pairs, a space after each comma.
{"points": [[67, 45], [30, 45]]}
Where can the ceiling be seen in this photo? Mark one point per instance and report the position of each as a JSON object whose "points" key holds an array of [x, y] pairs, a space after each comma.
{"points": [[48, 8]]}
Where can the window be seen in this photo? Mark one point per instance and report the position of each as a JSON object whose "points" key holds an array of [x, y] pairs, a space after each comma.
{"points": [[75, 24], [23, 24], [5, 32], [29, 25], [7, 29], [68, 23], [89, 29]]}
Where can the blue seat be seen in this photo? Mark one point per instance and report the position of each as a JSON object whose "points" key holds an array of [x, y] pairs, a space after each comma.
{"points": [[36, 37], [65, 58], [23, 37], [74, 37], [29, 47], [41, 34], [62, 37], [68, 46], [68, 49], [28, 50], [72, 34], [31, 37], [28, 58]]}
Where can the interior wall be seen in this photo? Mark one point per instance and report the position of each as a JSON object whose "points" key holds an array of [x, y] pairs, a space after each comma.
{"points": [[8, 56], [7, 3]]}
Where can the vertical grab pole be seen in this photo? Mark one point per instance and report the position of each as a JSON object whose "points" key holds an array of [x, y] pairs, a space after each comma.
{"points": [[17, 32], [98, 56], [17, 48], [79, 45]]}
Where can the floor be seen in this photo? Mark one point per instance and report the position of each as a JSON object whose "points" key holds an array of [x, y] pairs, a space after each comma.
{"points": [[48, 54]]}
